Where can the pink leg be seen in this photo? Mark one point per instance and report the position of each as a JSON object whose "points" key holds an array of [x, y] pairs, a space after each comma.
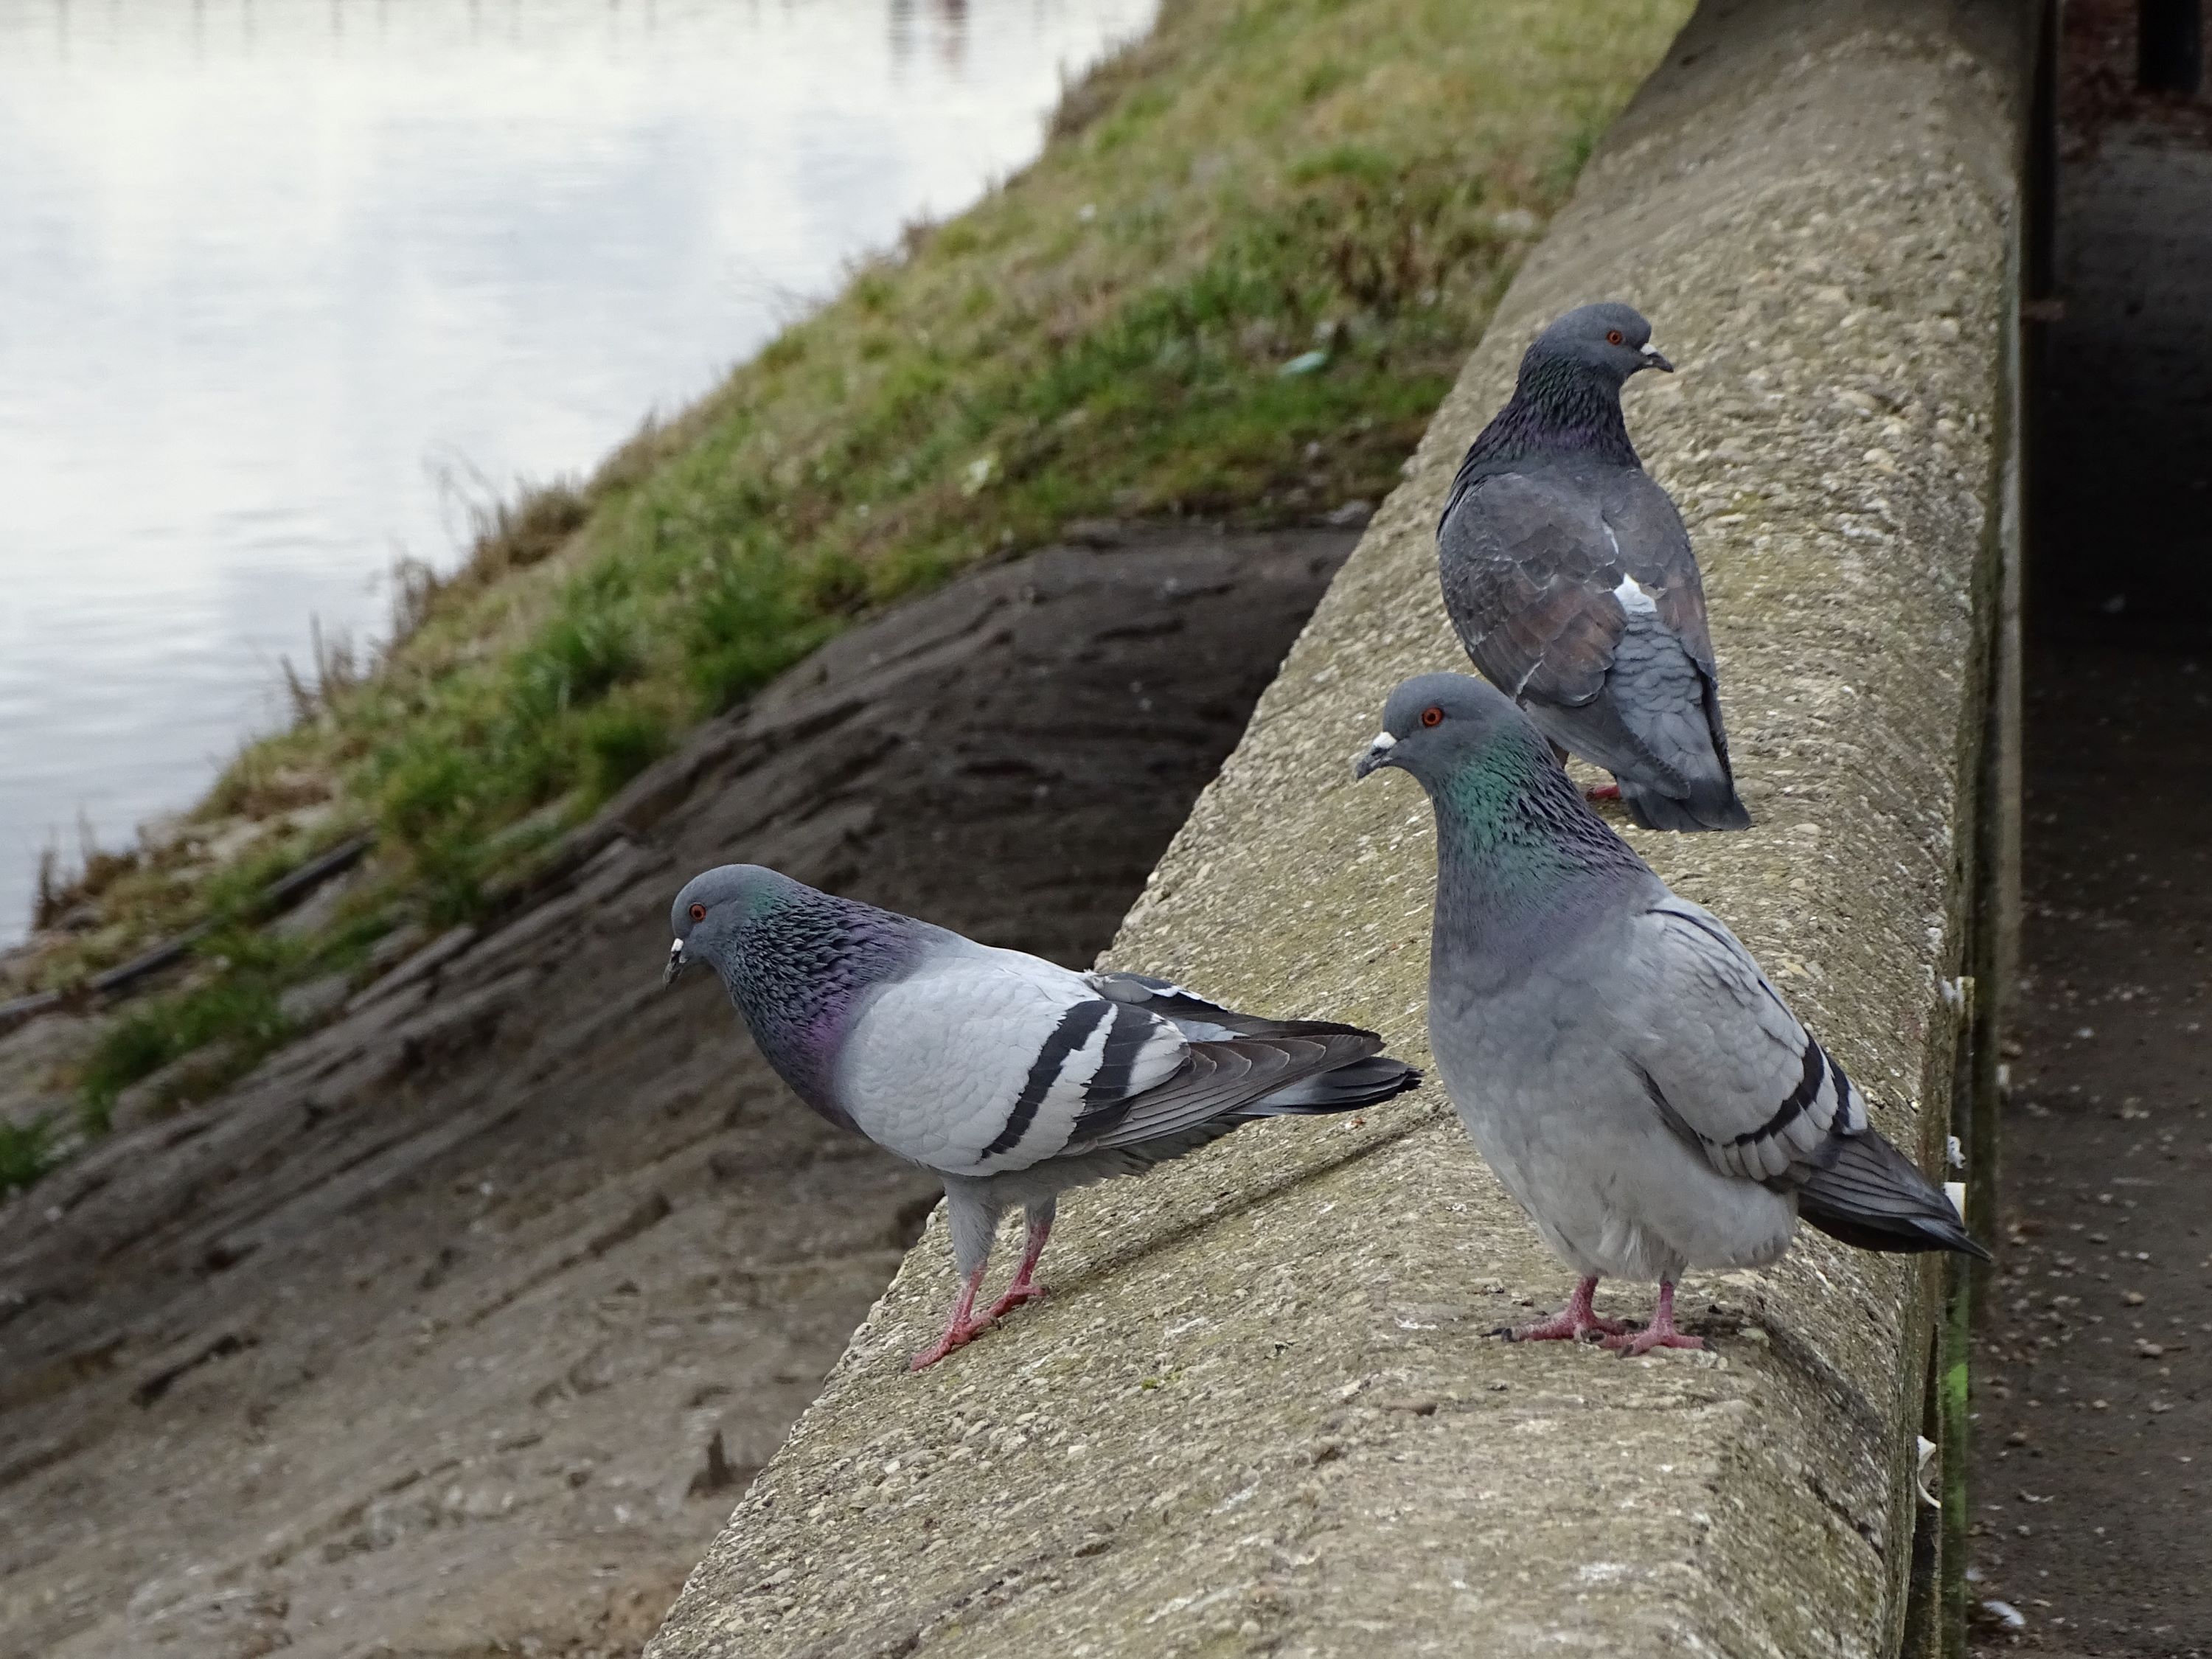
{"points": [[1571, 1323], [961, 1329], [1024, 1288], [1603, 791], [1660, 1334]]}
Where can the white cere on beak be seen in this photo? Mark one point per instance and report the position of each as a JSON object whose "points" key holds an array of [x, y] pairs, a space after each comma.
{"points": [[1649, 350], [1384, 741]]}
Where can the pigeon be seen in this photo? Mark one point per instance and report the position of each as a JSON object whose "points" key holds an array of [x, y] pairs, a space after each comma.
{"points": [[1010, 1077], [1637, 1082], [1570, 580]]}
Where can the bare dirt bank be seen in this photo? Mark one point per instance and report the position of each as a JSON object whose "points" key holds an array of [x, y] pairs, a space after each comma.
{"points": [[417, 1341]]}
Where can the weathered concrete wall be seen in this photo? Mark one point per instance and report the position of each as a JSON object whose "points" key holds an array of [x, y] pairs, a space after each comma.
{"points": [[1259, 1412]]}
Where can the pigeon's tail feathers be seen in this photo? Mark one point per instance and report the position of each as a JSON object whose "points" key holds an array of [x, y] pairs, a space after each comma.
{"points": [[1346, 1088], [1711, 804], [1873, 1197], [1596, 730], [1232, 1082], [1695, 746]]}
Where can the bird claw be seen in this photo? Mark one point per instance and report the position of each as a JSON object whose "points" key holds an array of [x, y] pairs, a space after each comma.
{"points": [[1603, 791], [1561, 1326], [956, 1335], [1016, 1295], [1643, 1342], [1570, 1324]]}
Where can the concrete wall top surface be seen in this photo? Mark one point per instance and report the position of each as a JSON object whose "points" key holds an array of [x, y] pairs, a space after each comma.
{"points": [[1261, 1411]]}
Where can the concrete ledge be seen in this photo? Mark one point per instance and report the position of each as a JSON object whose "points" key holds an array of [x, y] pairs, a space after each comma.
{"points": [[1260, 1412]]}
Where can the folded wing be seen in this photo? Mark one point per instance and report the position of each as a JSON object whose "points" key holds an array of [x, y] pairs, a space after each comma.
{"points": [[1580, 597], [1732, 1072], [984, 1061]]}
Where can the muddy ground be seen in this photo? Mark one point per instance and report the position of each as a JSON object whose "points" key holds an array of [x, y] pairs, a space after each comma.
{"points": [[456, 1330]]}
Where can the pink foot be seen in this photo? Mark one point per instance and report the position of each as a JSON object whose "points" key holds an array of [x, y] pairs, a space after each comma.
{"points": [[958, 1335], [962, 1328], [1603, 791], [1660, 1334], [1570, 1324], [1025, 1287], [1016, 1295]]}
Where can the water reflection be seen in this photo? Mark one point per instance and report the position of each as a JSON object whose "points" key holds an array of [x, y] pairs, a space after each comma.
{"points": [[269, 272]]}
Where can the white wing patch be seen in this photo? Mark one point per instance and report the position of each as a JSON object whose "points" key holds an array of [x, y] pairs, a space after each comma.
{"points": [[1633, 599]]}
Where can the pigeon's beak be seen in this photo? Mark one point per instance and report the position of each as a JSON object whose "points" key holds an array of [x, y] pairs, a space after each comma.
{"points": [[676, 963], [1653, 360], [1377, 755]]}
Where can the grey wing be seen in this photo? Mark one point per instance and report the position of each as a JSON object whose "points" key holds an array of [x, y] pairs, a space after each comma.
{"points": [[1528, 568], [1723, 1058], [1196, 1016], [1664, 684], [987, 1060], [1615, 728], [1656, 720], [1655, 549], [1729, 1069]]}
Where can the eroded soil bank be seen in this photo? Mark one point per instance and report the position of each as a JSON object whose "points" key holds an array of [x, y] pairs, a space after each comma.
{"points": [[424, 1339]]}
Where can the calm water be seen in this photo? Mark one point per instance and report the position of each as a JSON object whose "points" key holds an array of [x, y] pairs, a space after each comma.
{"points": [[284, 283]]}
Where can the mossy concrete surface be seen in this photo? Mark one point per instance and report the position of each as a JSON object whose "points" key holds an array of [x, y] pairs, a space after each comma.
{"points": [[1261, 1411]]}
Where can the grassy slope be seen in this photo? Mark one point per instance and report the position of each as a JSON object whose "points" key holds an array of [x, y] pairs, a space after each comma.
{"points": [[1107, 333]]}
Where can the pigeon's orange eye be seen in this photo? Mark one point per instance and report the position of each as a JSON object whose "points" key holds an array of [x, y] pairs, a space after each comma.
{"points": [[1433, 716], [1612, 336], [698, 912]]}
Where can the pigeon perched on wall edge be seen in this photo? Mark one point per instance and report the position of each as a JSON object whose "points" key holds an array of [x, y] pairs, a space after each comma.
{"points": [[1572, 585], [1012, 1079], [1636, 1082]]}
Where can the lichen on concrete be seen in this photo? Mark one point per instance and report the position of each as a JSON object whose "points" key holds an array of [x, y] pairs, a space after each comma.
{"points": [[1261, 1411]]}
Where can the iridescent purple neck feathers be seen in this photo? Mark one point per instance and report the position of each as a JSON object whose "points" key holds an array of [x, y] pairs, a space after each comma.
{"points": [[799, 966]]}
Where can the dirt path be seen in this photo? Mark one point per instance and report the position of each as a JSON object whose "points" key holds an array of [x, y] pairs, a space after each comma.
{"points": [[417, 1341], [2092, 1477]]}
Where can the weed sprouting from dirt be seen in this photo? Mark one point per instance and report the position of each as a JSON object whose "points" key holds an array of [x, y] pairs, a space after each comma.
{"points": [[27, 1151]]}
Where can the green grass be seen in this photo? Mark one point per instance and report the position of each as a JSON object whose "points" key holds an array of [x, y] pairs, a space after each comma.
{"points": [[1102, 335], [27, 1151], [231, 995], [1105, 334], [236, 1005]]}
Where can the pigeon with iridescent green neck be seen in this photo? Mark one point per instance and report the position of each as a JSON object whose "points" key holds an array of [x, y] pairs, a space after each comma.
{"points": [[1633, 1079], [1012, 1079], [1571, 582]]}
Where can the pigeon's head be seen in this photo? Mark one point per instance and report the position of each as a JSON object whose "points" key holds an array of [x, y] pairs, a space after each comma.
{"points": [[712, 909], [1612, 339], [1435, 724]]}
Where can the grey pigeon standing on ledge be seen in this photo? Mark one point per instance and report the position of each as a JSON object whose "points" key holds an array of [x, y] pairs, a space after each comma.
{"points": [[1617, 1056], [1011, 1078], [1570, 580]]}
